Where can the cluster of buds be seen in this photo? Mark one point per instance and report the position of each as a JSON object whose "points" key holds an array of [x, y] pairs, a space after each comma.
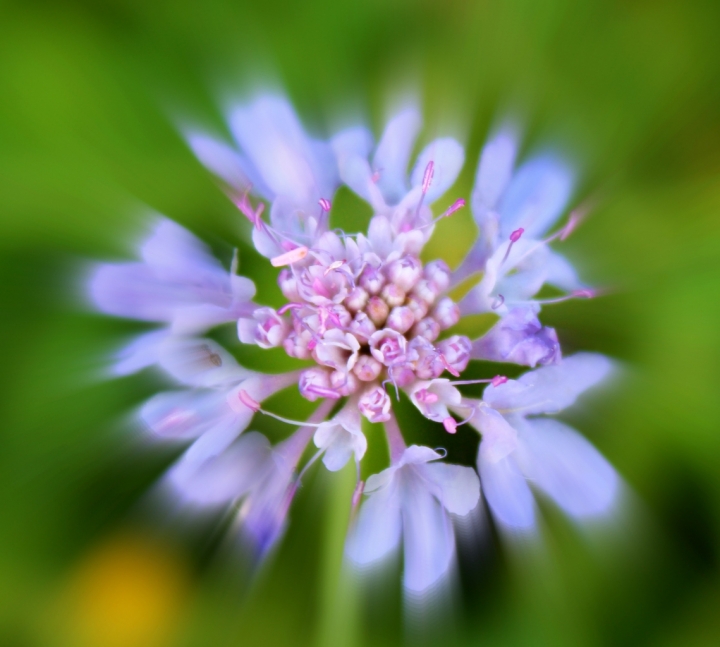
{"points": [[365, 328]]}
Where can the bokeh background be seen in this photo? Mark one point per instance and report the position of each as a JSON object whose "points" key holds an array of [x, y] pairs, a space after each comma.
{"points": [[90, 95]]}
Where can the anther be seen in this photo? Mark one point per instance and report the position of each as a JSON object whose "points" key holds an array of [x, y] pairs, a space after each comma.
{"points": [[450, 425], [325, 204], [288, 258], [249, 402], [499, 300], [514, 238], [428, 176]]}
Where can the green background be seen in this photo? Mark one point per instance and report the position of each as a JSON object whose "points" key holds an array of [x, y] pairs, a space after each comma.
{"points": [[90, 92]]}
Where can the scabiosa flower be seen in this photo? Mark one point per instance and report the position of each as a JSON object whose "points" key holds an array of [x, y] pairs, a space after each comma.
{"points": [[375, 321]]}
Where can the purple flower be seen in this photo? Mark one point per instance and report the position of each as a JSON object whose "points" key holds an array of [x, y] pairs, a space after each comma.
{"points": [[371, 319]]}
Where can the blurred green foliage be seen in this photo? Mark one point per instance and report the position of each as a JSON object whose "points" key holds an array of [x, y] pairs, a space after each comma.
{"points": [[91, 91]]}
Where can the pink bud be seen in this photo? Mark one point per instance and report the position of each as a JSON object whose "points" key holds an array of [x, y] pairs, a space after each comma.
{"points": [[393, 294], [367, 368], [401, 319]]}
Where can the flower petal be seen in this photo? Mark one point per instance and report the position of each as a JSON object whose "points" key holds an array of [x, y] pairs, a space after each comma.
{"points": [[448, 157], [428, 538], [227, 476], [140, 353], [506, 492], [393, 154], [551, 388], [199, 362], [560, 462], [227, 164], [456, 487], [494, 172], [376, 531], [536, 197]]}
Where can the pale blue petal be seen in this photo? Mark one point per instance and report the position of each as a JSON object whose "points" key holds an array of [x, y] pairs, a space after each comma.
{"points": [[227, 476], [428, 538], [551, 388], [270, 134], [376, 531], [448, 157], [564, 465], [494, 172], [393, 154], [227, 164], [199, 362], [455, 486], [537, 195], [141, 353], [506, 492]]}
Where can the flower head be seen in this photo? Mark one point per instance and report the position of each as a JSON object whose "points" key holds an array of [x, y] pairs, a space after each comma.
{"points": [[373, 320]]}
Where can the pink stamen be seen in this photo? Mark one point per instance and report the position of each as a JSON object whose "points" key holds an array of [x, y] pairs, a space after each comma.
{"points": [[584, 293], [288, 258], [514, 238], [249, 402], [450, 425], [455, 206], [428, 176], [375, 176], [498, 380], [325, 204], [572, 223], [290, 306], [447, 366]]}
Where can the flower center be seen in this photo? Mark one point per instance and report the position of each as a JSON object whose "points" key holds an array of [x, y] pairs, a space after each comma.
{"points": [[364, 323]]}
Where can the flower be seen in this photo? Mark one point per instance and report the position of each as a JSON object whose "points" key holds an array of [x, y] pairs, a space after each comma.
{"points": [[374, 320], [517, 450]]}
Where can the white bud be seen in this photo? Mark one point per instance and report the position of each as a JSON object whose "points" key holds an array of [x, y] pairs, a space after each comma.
{"points": [[357, 299], [439, 273], [405, 272], [393, 295], [447, 313], [367, 368], [401, 319], [377, 310]]}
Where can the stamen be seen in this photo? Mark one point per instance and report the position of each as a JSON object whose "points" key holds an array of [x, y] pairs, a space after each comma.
{"points": [[391, 379], [428, 176], [288, 258], [357, 493], [248, 401], [514, 238], [495, 381], [333, 266], [450, 425], [447, 366], [455, 206], [290, 306], [584, 293], [325, 204], [499, 300], [571, 225], [426, 181]]}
